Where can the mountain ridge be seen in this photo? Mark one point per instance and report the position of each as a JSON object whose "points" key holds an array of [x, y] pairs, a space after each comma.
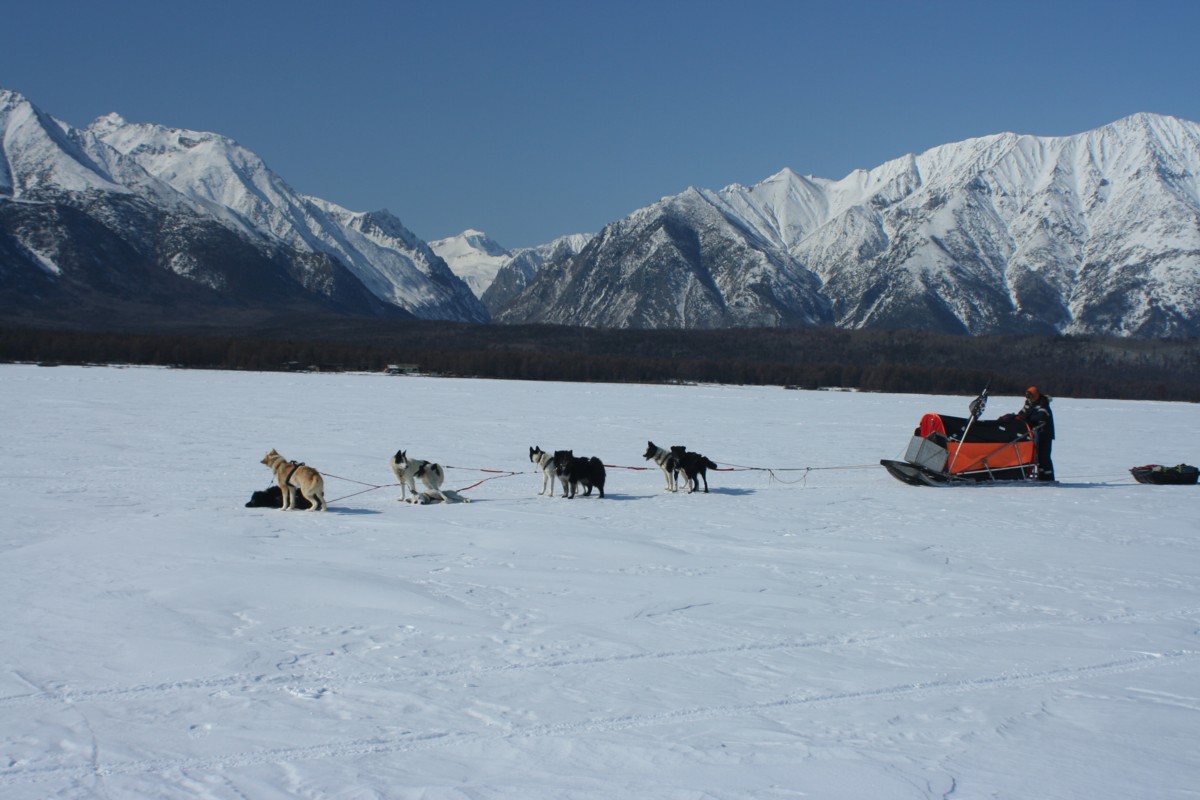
{"points": [[1008, 233], [170, 194], [1098, 232]]}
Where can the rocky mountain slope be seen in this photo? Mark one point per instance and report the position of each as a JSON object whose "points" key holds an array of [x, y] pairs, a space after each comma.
{"points": [[125, 216], [1095, 233]]}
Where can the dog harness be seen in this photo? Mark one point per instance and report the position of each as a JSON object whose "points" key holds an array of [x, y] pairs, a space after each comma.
{"points": [[295, 466]]}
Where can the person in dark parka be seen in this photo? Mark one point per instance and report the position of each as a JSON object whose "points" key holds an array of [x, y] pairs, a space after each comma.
{"points": [[1036, 413]]}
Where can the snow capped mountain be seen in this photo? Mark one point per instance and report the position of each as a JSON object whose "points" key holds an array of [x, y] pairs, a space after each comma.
{"points": [[40, 157], [525, 265], [168, 179], [390, 260], [495, 274], [681, 263], [1094, 233], [473, 256], [398, 266]]}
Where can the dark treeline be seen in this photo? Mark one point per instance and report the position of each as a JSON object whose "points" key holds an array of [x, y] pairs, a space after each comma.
{"points": [[870, 360]]}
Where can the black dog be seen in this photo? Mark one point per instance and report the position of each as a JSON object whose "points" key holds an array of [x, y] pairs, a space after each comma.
{"points": [[572, 471], [694, 466], [272, 497]]}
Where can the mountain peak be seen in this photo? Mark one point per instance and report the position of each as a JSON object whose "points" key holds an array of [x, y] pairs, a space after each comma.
{"points": [[1147, 118], [1155, 128], [473, 256], [10, 99], [107, 123], [472, 240]]}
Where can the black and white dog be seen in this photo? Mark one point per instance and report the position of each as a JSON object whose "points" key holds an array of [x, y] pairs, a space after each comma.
{"points": [[545, 465], [408, 470], [429, 498], [573, 471], [694, 466], [666, 461]]}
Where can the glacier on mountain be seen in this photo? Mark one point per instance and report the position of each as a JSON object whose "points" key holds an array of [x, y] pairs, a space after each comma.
{"points": [[473, 256]]}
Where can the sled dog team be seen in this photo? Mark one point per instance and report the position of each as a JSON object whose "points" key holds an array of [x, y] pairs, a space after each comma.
{"points": [[299, 486]]}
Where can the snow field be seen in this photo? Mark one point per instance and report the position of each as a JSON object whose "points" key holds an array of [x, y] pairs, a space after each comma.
{"points": [[830, 633]]}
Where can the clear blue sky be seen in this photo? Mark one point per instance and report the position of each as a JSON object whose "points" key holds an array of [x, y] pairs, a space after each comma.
{"points": [[530, 120]]}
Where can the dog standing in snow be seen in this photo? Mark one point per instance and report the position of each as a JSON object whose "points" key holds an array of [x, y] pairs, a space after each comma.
{"points": [[545, 464], [694, 466], [667, 462], [292, 477], [575, 470], [409, 470]]}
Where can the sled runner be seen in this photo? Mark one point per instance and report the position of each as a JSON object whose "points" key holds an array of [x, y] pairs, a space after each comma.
{"points": [[1179, 475], [947, 450]]}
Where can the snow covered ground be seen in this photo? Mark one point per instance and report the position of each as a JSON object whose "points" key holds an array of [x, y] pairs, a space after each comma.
{"points": [[822, 634]]}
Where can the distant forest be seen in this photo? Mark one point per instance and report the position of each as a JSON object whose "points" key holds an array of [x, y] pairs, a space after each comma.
{"points": [[809, 358]]}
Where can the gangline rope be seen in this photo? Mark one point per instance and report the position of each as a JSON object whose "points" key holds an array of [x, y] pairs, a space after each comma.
{"points": [[502, 473], [772, 472]]}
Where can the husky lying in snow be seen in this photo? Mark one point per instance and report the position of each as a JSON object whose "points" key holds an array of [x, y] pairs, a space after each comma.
{"points": [[694, 466], [443, 496], [545, 465], [666, 461], [572, 471], [408, 470], [292, 477]]}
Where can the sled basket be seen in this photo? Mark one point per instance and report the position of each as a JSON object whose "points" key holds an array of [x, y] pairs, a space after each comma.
{"points": [[1179, 475], [947, 450]]}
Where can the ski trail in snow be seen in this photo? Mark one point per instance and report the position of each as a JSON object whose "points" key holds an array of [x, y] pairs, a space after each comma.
{"points": [[297, 681], [412, 742]]}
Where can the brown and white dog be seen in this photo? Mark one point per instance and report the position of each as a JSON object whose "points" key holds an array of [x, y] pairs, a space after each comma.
{"points": [[293, 476]]}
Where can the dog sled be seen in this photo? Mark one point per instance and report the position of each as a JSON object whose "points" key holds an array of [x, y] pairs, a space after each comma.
{"points": [[947, 450]]}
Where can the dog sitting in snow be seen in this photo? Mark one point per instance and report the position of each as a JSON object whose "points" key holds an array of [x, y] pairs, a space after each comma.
{"points": [[409, 470], [573, 470], [694, 466], [667, 462], [294, 477], [545, 464]]}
